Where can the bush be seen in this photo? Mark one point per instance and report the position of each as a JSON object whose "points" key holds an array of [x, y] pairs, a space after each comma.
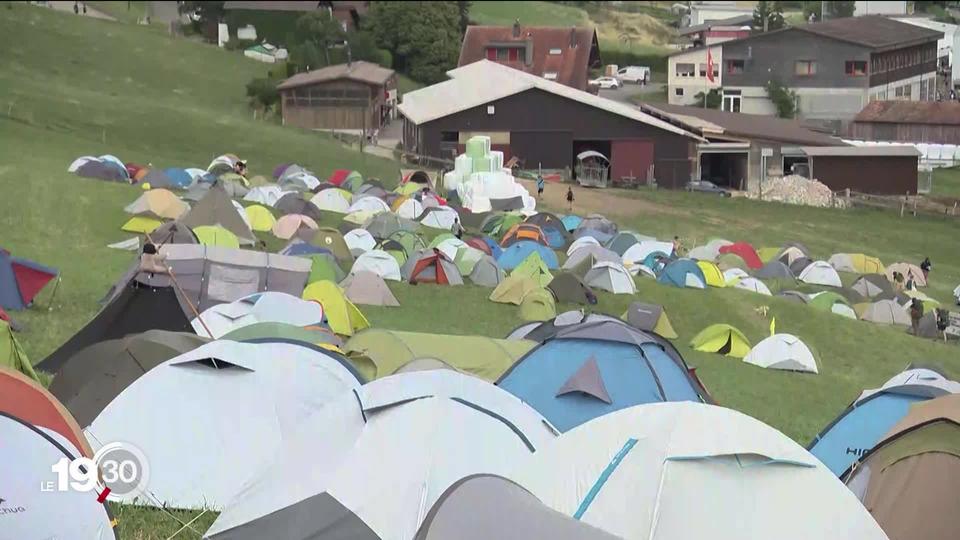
{"points": [[274, 27], [238, 44], [263, 94]]}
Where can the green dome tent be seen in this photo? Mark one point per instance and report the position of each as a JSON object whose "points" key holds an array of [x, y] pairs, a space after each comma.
{"points": [[538, 305], [721, 339]]}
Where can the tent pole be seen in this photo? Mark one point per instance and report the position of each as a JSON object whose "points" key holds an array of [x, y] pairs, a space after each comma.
{"points": [[176, 284], [52, 296]]}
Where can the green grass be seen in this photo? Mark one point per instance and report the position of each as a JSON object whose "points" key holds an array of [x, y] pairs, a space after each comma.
{"points": [[946, 182], [125, 12], [529, 13]]}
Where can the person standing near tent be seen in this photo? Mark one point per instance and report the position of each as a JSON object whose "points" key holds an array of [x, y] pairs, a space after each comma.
{"points": [[241, 167], [916, 313], [678, 250], [457, 228], [898, 281], [570, 198], [925, 266], [540, 186], [943, 322]]}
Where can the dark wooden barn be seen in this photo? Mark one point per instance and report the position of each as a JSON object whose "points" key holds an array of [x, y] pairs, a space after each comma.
{"points": [[931, 122], [544, 123], [884, 170], [359, 96]]}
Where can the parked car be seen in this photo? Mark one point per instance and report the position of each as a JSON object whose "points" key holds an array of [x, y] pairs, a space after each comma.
{"points": [[634, 74], [706, 186], [607, 82]]}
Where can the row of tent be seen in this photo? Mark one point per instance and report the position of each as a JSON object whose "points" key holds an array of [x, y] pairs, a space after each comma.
{"points": [[457, 447]]}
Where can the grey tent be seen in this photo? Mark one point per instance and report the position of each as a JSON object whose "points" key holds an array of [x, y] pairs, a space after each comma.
{"points": [[542, 331], [172, 232], [513, 203], [650, 318], [233, 189], [774, 270], [589, 255], [482, 507], [568, 287], [102, 171], [794, 296], [197, 191], [158, 179], [385, 224], [852, 295], [597, 222], [91, 378], [293, 203], [371, 189], [799, 265], [620, 243], [872, 285], [368, 289], [216, 208], [471, 220], [486, 273]]}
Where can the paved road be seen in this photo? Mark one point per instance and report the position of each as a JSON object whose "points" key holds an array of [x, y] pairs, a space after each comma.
{"points": [[623, 94], [68, 6]]}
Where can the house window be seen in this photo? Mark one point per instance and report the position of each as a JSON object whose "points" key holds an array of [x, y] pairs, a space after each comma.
{"points": [[491, 53], [703, 70], [734, 66], [555, 52], [550, 75], [855, 68], [501, 55], [805, 68], [898, 92], [513, 55], [521, 55], [678, 92], [686, 70], [491, 110], [450, 137], [908, 92]]}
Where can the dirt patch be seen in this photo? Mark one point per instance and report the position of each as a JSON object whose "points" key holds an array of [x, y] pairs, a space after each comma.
{"points": [[609, 202]]}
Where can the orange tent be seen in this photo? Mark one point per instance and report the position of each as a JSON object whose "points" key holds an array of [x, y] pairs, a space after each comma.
{"points": [[26, 400], [524, 231]]}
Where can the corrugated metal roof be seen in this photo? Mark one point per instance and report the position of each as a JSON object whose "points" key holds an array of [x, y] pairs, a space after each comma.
{"points": [[739, 20], [485, 81], [911, 112], [752, 126], [571, 64], [861, 151], [356, 71]]}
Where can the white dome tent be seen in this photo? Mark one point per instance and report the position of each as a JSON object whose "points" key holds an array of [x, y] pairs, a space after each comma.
{"points": [[222, 319], [368, 203], [753, 285], [359, 241], [636, 253], [680, 470], [371, 465], [410, 209], [26, 510], [582, 242], [378, 262], [332, 200], [440, 217], [612, 277], [206, 418], [820, 273], [266, 195], [782, 351]]}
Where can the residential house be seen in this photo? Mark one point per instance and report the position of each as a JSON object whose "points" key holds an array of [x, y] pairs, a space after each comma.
{"points": [[834, 67], [931, 122], [713, 32], [543, 123], [563, 55], [358, 96], [687, 74]]}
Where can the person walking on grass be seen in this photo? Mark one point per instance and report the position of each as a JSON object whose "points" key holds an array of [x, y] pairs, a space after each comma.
{"points": [[570, 198], [540, 186], [916, 313], [925, 266]]}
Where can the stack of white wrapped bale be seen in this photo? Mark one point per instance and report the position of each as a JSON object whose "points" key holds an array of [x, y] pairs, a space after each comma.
{"points": [[478, 176]]}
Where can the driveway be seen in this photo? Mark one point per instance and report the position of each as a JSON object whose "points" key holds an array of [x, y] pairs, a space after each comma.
{"points": [[68, 6], [624, 93]]}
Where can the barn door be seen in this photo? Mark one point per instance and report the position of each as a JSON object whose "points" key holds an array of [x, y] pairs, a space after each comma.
{"points": [[630, 158]]}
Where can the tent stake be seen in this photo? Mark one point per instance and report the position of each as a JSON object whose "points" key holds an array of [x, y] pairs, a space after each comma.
{"points": [[52, 296]]}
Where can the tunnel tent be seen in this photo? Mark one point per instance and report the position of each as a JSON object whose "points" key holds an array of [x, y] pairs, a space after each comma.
{"points": [[721, 339], [858, 428], [782, 351], [649, 318], [383, 352]]}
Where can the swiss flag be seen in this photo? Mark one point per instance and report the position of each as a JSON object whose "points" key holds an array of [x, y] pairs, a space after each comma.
{"points": [[709, 65]]}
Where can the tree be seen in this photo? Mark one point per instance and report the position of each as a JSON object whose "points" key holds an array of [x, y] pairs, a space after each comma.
{"points": [[263, 94], [812, 7], [713, 97], [839, 9], [423, 37], [320, 29], [206, 11], [784, 99], [464, 8], [767, 16]]}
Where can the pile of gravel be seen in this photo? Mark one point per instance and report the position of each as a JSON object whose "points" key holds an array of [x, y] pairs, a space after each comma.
{"points": [[794, 189]]}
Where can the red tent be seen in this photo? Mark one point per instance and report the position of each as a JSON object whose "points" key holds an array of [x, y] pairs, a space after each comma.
{"points": [[338, 176], [21, 280], [478, 243], [435, 267], [746, 252]]}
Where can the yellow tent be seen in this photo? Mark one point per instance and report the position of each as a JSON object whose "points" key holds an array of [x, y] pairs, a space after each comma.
{"points": [[343, 317], [534, 267], [141, 224], [721, 339], [409, 188], [768, 254], [512, 289], [360, 217], [214, 235], [712, 273], [260, 218], [866, 264]]}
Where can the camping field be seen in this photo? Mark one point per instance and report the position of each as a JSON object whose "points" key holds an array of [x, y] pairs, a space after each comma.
{"points": [[148, 98]]}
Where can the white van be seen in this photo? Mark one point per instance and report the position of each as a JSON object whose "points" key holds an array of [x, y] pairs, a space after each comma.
{"points": [[634, 74]]}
